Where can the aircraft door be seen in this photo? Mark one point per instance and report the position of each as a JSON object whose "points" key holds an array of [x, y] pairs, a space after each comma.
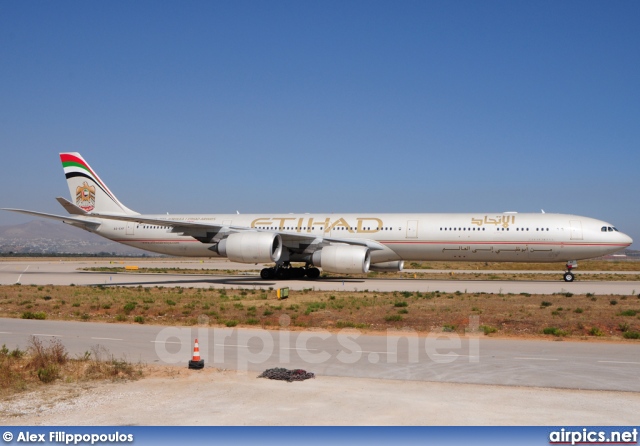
{"points": [[412, 229], [130, 226], [576, 229]]}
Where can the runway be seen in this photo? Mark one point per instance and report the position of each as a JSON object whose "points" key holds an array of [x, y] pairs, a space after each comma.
{"points": [[397, 355], [66, 272]]}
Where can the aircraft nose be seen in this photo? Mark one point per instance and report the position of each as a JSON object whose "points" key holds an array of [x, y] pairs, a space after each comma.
{"points": [[626, 239], [623, 239]]}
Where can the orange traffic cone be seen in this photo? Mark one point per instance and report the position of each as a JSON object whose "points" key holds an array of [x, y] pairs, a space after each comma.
{"points": [[196, 363]]}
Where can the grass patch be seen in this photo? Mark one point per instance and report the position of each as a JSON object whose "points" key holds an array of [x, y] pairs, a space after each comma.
{"points": [[349, 324], [554, 331], [315, 306], [488, 329], [629, 313], [595, 331], [29, 315]]}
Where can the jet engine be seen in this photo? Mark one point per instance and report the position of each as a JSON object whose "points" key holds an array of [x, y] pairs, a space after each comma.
{"points": [[390, 267], [343, 259], [251, 247]]}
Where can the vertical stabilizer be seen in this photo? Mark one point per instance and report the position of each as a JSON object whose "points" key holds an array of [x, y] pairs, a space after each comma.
{"points": [[87, 189]]}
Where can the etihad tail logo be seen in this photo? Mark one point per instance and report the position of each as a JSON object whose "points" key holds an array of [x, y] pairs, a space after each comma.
{"points": [[86, 197]]}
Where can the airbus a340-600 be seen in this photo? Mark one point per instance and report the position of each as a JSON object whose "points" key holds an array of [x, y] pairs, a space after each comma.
{"points": [[337, 243]]}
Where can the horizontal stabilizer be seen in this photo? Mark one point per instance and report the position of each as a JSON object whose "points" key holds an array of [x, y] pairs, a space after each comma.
{"points": [[75, 221], [70, 207]]}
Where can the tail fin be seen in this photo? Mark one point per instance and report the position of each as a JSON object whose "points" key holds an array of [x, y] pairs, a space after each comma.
{"points": [[87, 189]]}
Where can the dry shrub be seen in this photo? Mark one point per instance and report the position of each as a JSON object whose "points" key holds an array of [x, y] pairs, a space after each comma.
{"points": [[46, 363], [46, 360], [42, 356], [106, 366], [10, 376]]}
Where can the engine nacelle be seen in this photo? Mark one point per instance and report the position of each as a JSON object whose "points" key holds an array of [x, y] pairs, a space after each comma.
{"points": [[343, 259], [391, 267], [251, 247]]}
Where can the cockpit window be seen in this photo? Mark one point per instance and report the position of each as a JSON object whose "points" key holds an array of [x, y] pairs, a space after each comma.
{"points": [[615, 229], [604, 229], [610, 229]]}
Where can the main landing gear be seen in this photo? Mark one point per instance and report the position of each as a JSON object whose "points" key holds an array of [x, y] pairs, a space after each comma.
{"points": [[286, 271], [569, 276]]}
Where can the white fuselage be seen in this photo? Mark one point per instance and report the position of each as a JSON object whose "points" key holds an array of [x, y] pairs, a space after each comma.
{"points": [[420, 237]]}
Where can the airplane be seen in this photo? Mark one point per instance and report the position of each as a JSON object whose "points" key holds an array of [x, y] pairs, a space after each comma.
{"points": [[337, 243]]}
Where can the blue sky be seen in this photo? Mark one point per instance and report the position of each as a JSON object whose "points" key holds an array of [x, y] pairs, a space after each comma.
{"points": [[362, 106]]}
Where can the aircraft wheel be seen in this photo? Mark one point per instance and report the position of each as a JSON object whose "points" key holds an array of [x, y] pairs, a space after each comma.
{"points": [[569, 276], [313, 273], [266, 273]]}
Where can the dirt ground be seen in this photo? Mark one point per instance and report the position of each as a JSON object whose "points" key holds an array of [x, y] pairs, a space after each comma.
{"points": [[522, 315], [214, 397]]}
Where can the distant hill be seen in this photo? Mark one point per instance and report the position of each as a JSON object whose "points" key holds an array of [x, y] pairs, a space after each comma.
{"points": [[51, 237]]}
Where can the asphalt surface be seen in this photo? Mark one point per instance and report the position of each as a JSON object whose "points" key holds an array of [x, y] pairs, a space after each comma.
{"points": [[66, 272], [443, 357]]}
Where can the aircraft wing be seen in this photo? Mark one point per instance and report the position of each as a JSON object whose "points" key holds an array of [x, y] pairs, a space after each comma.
{"points": [[188, 227], [207, 232]]}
